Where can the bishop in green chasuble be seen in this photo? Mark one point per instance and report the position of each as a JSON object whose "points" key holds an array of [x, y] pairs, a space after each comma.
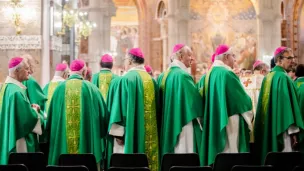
{"points": [[34, 91], [181, 106], [133, 113], [299, 73], [61, 74], [103, 79], [76, 117], [279, 122], [299, 83], [19, 120], [227, 109]]}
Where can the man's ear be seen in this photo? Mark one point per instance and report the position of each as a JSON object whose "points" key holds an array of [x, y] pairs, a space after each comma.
{"points": [[84, 73]]}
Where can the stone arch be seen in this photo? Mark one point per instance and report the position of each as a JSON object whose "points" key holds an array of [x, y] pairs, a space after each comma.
{"points": [[161, 10]]}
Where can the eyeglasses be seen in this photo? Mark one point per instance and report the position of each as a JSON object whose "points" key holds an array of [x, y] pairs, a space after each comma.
{"points": [[289, 57]]}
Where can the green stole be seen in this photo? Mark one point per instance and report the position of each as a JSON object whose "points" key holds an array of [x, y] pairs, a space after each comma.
{"points": [[151, 135], [132, 104], [73, 112], [277, 109]]}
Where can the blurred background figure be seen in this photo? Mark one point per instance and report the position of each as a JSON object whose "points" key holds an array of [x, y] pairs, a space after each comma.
{"points": [[149, 70], [88, 77]]}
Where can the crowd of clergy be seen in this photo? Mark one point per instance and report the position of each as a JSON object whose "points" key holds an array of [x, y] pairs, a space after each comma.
{"points": [[227, 111]]}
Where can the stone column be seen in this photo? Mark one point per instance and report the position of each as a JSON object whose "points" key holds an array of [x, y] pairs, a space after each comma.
{"points": [[164, 38], [178, 21], [269, 27], [45, 75], [100, 12]]}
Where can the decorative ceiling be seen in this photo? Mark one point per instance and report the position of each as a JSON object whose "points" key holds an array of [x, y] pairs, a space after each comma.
{"points": [[124, 2], [126, 13]]}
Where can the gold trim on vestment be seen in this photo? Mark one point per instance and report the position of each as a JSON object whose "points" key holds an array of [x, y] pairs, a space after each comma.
{"points": [[51, 89], [2, 90], [73, 113], [104, 82], [266, 94], [151, 136]]}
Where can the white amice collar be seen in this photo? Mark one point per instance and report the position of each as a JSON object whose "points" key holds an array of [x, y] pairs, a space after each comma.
{"points": [[105, 69], [140, 67], [57, 79], [221, 64], [177, 63], [14, 81]]}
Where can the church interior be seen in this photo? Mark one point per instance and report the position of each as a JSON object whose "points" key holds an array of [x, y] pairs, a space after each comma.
{"points": [[54, 32], [60, 30]]}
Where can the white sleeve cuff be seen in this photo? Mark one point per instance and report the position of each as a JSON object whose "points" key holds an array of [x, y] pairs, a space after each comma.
{"points": [[117, 130], [199, 122], [293, 129], [248, 116], [37, 128]]}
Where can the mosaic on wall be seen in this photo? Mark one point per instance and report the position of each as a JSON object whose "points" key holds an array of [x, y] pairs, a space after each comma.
{"points": [[231, 22]]}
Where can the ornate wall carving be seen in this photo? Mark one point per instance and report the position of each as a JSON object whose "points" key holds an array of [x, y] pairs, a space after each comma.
{"points": [[20, 42]]}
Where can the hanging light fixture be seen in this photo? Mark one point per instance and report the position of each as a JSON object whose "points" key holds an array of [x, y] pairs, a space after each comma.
{"points": [[18, 14]]}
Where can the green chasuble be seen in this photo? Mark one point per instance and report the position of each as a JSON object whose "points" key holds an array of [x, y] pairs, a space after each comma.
{"points": [[223, 96], [180, 104], [277, 110], [200, 84], [102, 80], [132, 104], [76, 120], [17, 120], [48, 90], [299, 81], [35, 93]]}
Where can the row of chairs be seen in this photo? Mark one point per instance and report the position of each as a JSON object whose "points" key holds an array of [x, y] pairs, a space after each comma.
{"points": [[175, 162], [22, 167]]}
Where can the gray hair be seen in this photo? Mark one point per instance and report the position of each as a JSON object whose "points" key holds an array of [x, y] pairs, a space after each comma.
{"points": [[179, 53], [18, 67], [61, 73], [221, 56]]}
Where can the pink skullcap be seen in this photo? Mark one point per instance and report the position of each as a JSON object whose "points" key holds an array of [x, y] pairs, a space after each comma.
{"points": [[213, 58], [61, 67], [14, 62], [177, 47], [279, 50], [256, 63], [221, 49], [77, 65], [148, 68], [136, 52], [106, 58]]}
